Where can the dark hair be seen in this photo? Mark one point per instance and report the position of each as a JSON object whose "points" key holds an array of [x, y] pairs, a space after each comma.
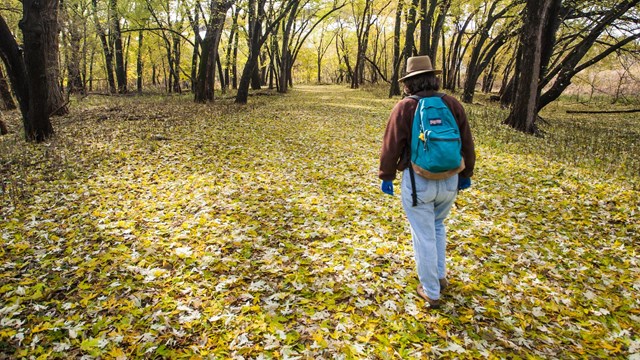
{"points": [[422, 82]]}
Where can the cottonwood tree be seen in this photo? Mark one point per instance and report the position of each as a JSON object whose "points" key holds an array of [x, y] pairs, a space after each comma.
{"points": [[298, 26], [486, 46], [260, 27], [610, 25], [37, 125], [205, 81], [394, 89], [322, 46], [538, 14], [458, 45], [432, 20], [56, 104], [75, 37], [5, 93]]}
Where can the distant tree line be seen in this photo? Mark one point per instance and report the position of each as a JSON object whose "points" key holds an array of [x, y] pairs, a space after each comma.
{"points": [[529, 50]]}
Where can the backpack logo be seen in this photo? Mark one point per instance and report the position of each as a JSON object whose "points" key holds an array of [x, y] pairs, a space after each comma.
{"points": [[435, 122]]}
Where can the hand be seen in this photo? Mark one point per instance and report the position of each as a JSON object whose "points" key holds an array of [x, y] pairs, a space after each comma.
{"points": [[387, 187], [463, 183]]}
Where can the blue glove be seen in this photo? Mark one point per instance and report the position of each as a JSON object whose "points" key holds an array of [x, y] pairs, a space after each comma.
{"points": [[387, 187], [463, 183]]}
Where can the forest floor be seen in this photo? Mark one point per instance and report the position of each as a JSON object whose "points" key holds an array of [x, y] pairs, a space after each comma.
{"points": [[156, 227]]}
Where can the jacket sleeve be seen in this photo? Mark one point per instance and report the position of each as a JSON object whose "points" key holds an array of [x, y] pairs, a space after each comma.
{"points": [[396, 137], [468, 146]]}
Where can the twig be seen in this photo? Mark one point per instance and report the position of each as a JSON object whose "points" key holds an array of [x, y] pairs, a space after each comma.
{"points": [[602, 111]]}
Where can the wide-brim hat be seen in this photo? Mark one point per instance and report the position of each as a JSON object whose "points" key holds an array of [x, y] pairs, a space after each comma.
{"points": [[417, 65]]}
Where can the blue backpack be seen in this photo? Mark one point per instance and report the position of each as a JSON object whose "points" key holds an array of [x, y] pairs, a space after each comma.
{"points": [[435, 140]]}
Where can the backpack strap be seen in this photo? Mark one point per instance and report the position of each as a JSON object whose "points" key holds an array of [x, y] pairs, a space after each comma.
{"points": [[412, 175]]}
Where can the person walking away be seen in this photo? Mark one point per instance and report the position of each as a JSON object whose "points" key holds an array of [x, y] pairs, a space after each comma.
{"points": [[427, 196]]}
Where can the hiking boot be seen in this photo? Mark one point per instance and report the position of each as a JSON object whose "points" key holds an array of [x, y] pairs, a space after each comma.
{"points": [[443, 284], [432, 304]]}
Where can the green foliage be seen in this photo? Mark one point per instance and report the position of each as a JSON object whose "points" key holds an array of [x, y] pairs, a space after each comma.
{"points": [[155, 227]]}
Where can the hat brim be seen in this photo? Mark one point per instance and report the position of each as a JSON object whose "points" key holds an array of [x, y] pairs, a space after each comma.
{"points": [[420, 72]]}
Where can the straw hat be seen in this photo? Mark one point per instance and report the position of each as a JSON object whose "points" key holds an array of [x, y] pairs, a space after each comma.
{"points": [[417, 65]]}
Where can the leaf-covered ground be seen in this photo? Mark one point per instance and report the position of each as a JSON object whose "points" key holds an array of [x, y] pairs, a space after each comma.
{"points": [[155, 227]]}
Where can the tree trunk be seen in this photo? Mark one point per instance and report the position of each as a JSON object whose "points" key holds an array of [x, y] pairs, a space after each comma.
{"points": [[524, 111], [427, 13], [75, 83], [108, 54], [11, 55], [56, 102], [116, 40], [37, 126], [256, 13], [394, 89], [197, 40], [285, 59], [574, 62], [177, 86], [231, 49], [205, 83], [5, 93], [409, 43], [139, 65], [480, 55]]}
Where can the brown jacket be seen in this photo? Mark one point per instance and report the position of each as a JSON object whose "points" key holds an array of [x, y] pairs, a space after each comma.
{"points": [[395, 154]]}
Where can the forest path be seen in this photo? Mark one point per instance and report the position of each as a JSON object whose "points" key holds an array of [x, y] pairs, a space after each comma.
{"points": [[158, 227]]}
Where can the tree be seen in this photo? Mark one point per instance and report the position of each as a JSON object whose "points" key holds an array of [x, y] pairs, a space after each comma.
{"points": [[451, 70], [321, 50], [5, 92], [106, 48], [37, 125], [115, 36], [618, 23], [431, 25], [298, 27], [482, 52], [394, 89], [524, 110], [74, 33], [258, 34], [205, 81], [56, 104]]}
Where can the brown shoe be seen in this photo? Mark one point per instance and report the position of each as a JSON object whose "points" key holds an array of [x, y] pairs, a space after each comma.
{"points": [[432, 304], [443, 284]]}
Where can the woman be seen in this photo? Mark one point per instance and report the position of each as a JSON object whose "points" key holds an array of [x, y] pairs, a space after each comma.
{"points": [[434, 197]]}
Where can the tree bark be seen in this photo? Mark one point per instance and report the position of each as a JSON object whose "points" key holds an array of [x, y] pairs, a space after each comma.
{"points": [[231, 49], [209, 56], [139, 64], [108, 54], [285, 58], [256, 39], [394, 89], [5, 93], [37, 126], [56, 102], [409, 43], [478, 62], [524, 111], [573, 63], [75, 83], [116, 40]]}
